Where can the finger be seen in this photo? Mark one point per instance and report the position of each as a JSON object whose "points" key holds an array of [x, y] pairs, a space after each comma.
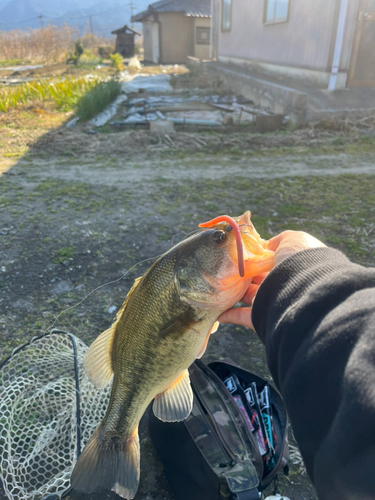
{"points": [[238, 316], [250, 294], [274, 242], [257, 280]]}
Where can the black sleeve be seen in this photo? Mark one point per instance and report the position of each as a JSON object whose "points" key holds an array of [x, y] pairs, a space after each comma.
{"points": [[315, 313]]}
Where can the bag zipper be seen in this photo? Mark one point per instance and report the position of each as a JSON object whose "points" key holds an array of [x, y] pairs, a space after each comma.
{"points": [[211, 374], [209, 423]]}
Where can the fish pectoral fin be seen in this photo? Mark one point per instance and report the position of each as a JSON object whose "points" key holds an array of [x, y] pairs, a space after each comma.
{"points": [[98, 360], [212, 330], [176, 403], [108, 463]]}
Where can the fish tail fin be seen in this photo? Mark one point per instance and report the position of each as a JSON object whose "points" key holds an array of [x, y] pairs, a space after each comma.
{"points": [[108, 463]]}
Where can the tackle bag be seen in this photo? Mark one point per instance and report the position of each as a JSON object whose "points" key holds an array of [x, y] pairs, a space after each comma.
{"points": [[233, 443]]}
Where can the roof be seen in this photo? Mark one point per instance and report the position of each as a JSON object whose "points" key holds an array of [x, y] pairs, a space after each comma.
{"points": [[191, 8], [124, 29]]}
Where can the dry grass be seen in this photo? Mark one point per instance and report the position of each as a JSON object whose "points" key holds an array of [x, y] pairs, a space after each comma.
{"points": [[22, 127], [48, 44]]}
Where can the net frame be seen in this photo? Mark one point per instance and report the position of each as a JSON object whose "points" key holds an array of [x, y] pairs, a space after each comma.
{"points": [[48, 411]]}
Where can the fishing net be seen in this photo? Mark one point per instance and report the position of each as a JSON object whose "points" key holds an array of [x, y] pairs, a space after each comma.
{"points": [[48, 410]]}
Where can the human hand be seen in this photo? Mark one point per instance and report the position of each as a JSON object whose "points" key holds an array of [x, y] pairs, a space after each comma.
{"points": [[287, 243], [284, 245]]}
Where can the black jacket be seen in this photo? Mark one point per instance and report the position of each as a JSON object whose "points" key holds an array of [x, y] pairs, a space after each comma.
{"points": [[315, 313]]}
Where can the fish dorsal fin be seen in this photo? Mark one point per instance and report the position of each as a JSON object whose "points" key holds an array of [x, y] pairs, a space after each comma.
{"points": [[176, 403], [98, 361], [212, 330]]}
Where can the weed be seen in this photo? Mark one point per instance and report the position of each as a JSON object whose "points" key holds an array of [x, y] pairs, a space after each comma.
{"points": [[65, 253], [66, 93], [11, 62], [94, 101], [338, 141], [88, 60], [117, 61]]}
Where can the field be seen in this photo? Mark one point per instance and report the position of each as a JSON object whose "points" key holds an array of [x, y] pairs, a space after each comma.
{"points": [[80, 209]]}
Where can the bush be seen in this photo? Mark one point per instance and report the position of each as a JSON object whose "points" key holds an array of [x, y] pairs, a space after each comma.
{"points": [[105, 51], [88, 60], [78, 49], [97, 99], [117, 61]]}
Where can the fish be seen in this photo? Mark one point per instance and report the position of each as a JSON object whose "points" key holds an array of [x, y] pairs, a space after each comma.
{"points": [[162, 327]]}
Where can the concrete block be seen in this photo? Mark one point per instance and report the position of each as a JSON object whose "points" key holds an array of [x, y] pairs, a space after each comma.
{"points": [[268, 123], [161, 126], [279, 99]]}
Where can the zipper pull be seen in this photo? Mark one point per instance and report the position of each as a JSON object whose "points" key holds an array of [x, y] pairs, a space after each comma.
{"points": [[231, 463]]}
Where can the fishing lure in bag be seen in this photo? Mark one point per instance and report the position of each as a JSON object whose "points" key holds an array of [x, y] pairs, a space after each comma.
{"points": [[226, 448]]}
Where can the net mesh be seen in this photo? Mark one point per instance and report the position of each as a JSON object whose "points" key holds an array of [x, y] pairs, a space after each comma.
{"points": [[38, 416]]}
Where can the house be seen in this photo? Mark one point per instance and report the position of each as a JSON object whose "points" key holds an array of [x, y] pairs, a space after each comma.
{"points": [[175, 29], [322, 43], [125, 41]]}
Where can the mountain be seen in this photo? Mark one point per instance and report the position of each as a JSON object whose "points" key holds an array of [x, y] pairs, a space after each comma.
{"points": [[106, 15]]}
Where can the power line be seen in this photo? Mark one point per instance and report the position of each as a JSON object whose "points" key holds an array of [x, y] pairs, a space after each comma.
{"points": [[20, 22], [63, 18], [87, 15]]}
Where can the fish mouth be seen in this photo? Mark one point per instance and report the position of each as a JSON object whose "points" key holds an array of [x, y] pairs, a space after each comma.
{"points": [[249, 245], [237, 233]]}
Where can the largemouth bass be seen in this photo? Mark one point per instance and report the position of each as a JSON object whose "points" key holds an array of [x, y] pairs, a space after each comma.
{"points": [[162, 327]]}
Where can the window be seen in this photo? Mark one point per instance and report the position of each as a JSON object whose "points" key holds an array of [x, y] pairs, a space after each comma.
{"points": [[276, 11], [226, 15], [203, 36]]}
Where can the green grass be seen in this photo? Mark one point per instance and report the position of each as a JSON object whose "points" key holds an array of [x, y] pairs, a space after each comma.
{"points": [[94, 101], [12, 62], [66, 93], [64, 254], [88, 60]]}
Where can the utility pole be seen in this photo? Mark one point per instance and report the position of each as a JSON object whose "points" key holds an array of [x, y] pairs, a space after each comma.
{"points": [[131, 13], [41, 20], [91, 29]]}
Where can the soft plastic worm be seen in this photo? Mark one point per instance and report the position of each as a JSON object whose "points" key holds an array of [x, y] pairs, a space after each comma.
{"points": [[234, 226]]}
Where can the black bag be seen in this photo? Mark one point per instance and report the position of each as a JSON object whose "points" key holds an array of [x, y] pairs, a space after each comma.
{"points": [[214, 454]]}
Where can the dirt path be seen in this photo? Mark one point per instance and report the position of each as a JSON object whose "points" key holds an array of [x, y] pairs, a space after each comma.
{"points": [[205, 167]]}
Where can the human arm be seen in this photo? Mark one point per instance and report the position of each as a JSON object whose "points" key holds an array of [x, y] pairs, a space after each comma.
{"points": [[315, 313]]}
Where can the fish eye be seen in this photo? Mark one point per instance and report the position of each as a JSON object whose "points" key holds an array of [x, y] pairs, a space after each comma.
{"points": [[219, 236]]}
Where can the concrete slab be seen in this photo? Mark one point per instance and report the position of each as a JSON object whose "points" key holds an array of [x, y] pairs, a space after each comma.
{"points": [[302, 103], [262, 90], [161, 126]]}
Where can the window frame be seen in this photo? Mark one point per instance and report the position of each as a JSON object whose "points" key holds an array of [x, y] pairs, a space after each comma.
{"points": [[226, 30], [277, 20], [201, 29]]}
